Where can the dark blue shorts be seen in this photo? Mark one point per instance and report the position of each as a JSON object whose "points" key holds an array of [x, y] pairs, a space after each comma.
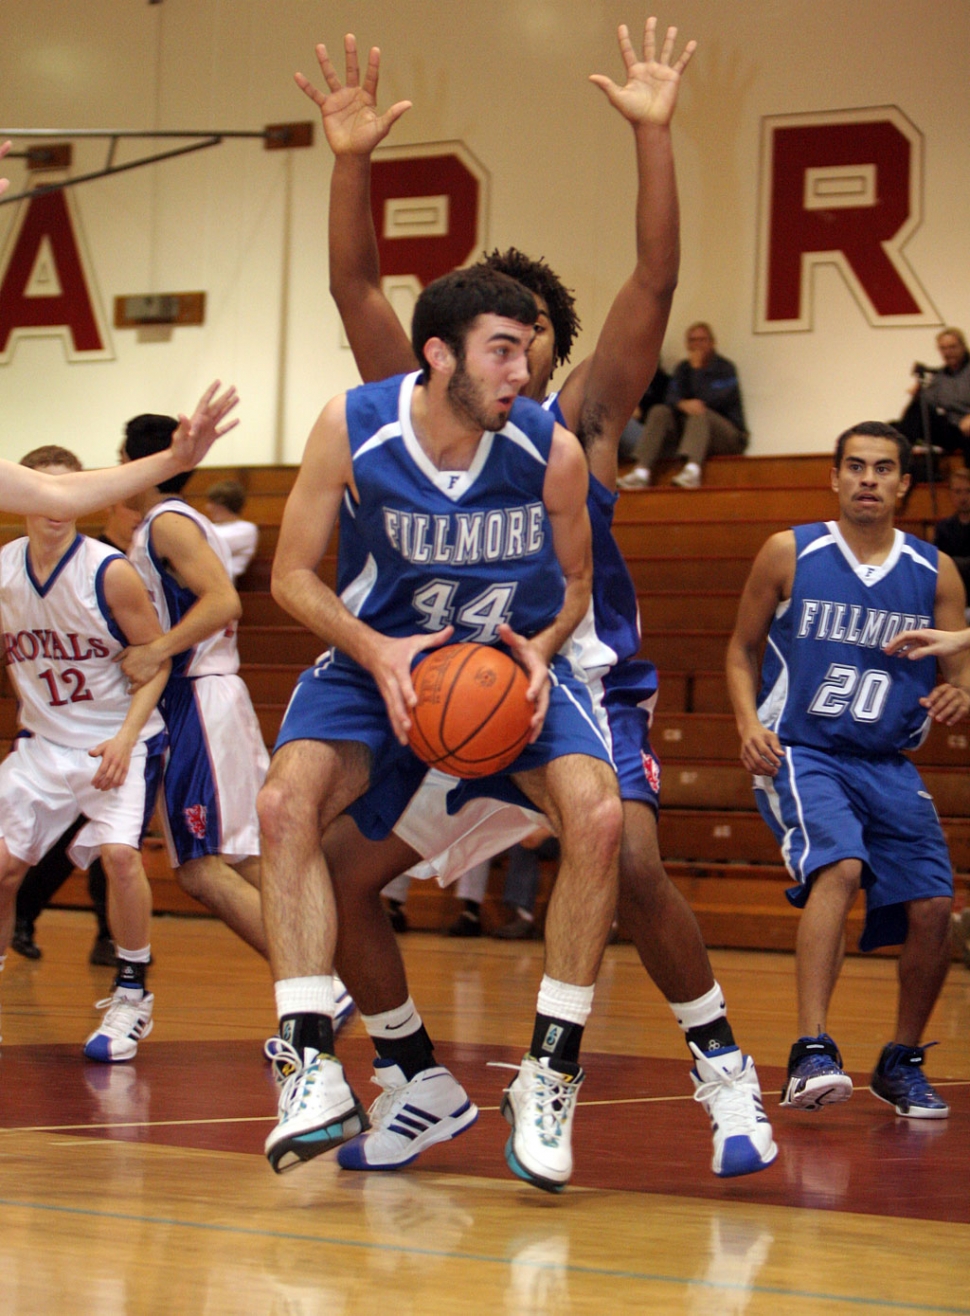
{"points": [[825, 807], [628, 694], [339, 701]]}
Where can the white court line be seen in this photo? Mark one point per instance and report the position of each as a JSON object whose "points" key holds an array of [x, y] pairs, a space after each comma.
{"points": [[265, 1119]]}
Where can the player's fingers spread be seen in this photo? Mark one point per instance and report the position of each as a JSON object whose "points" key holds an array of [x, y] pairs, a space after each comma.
{"points": [[685, 57], [350, 60], [668, 46], [373, 72]]}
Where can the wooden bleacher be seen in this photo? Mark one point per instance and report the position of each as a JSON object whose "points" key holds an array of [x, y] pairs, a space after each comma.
{"points": [[689, 554]]}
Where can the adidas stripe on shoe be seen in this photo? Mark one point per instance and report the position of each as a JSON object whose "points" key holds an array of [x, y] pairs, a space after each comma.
{"points": [[126, 1022], [727, 1087], [408, 1117]]}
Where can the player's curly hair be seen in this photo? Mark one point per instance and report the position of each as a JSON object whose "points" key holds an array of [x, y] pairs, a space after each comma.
{"points": [[543, 281]]}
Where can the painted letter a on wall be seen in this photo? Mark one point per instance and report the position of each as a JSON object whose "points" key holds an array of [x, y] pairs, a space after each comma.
{"points": [[47, 286]]}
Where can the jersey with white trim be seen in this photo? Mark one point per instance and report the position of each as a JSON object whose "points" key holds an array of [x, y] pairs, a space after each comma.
{"points": [[825, 680], [423, 549], [610, 631], [217, 655], [60, 641]]}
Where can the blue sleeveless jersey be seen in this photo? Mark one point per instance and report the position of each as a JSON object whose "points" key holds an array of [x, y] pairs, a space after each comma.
{"points": [[825, 681], [423, 549], [610, 632]]}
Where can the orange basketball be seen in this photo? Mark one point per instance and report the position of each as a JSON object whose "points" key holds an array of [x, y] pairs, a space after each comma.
{"points": [[472, 717]]}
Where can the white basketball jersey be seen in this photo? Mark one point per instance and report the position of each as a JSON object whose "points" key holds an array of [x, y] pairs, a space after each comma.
{"points": [[215, 656], [60, 641]]}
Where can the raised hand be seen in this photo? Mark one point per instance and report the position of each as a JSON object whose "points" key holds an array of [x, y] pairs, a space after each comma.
{"points": [[650, 94], [4, 182], [196, 435], [349, 112]]}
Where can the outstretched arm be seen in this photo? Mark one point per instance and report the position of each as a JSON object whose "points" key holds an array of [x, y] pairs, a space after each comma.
{"points": [[949, 702], [600, 395], [353, 129], [929, 643], [79, 492]]}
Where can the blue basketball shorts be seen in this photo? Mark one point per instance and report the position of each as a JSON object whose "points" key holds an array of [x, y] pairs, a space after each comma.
{"points": [[825, 807], [339, 701], [627, 695], [215, 765]]}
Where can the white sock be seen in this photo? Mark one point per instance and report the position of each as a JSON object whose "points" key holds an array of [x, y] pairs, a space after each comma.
{"points": [[564, 1000], [304, 996], [695, 1014], [399, 1022]]}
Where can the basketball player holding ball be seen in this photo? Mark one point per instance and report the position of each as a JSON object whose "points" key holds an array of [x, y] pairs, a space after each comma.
{"points": [[462, 516], [595, 401]]}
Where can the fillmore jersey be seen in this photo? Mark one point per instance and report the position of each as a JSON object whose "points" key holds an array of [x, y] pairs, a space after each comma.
{"points": [[215, 656], [60, 642], [825, 680], [423, 548]]}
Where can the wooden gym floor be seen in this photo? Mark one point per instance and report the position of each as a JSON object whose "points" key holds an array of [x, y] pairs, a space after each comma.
{"points": [[142, 1188]]}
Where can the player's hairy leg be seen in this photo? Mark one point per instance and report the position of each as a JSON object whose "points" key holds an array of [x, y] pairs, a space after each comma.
{"points": [[581, 798], [129, 896], [655, 914], [309, 783], [230, 891], [368, 958], [923, 964], [820, 946], [12, 871]]}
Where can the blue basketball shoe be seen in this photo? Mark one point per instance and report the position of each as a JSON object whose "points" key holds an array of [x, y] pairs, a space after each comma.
{"points": [[727, 1087], [899, 1079], [815, 1075]]}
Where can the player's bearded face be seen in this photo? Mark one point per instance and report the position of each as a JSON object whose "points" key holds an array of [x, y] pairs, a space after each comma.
{"points": [[472, 398]]}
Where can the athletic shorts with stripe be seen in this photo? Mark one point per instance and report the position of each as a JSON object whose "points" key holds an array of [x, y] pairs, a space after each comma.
{"points": [[214, 768], [338, 700], [824, 807]]}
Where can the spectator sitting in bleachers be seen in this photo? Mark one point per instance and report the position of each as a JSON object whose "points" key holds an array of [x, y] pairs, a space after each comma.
{"points": [[946, 392], [702, 413], [656, 392]]}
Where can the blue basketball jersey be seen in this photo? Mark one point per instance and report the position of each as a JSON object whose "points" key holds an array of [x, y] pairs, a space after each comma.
{"points": [[825, 681], [423, 548], [610, 632]]}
